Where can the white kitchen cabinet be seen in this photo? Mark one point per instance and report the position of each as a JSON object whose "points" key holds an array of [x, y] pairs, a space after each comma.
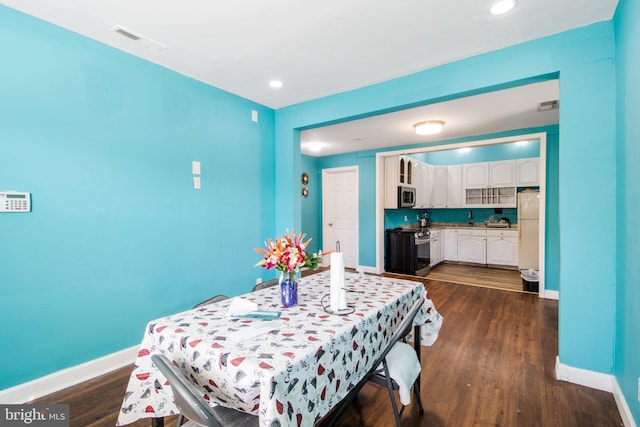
{"points": [[454, 186], [472, 246], [502, 247], [503, 173], [391, 174], [423, 182], [528, 172], [405, 170], [450, 245], [436, 248], [398, 171], [490, 174], [475, 175], [439, 189]]}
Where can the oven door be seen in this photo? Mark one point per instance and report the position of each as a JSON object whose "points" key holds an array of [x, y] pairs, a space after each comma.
{"points": [[423, 256]]}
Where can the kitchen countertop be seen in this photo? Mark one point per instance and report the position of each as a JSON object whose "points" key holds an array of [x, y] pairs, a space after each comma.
{"points": [[444, 225]]}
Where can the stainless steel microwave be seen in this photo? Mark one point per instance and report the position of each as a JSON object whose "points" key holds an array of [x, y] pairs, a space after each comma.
{"points": [[406, 197]]}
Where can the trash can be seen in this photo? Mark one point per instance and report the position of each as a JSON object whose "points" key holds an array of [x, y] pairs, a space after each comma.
{"points": [[530, 280]]}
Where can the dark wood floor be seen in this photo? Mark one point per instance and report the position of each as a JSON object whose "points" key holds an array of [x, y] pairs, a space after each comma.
{"points": [[493, 365]]}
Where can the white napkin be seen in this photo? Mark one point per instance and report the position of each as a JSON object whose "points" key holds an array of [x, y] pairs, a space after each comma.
{"points": [[337, 295], [240, 307], [404, 368]]}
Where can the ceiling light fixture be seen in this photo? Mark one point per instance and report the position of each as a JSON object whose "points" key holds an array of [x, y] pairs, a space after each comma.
{"points": [[315, 147], [276, 84], [429, 127], [502, 6]]}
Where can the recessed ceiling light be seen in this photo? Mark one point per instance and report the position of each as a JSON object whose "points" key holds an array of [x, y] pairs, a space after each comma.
{"points": [[276, 84], [502, 6], [315, 147], [429, 127]]}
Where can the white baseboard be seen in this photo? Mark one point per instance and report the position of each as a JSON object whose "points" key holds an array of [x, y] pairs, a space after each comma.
{"points": [[623, 407], [549, 294], [57, 381], [598, 381], [584, 377]]}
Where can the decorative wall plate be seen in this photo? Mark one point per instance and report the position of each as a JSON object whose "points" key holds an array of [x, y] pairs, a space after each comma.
{"points": [[304, 178]]}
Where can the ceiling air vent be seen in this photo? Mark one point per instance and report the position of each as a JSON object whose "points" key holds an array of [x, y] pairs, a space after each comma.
{"points": [[147, 42], [548, 105], [127, 33]]}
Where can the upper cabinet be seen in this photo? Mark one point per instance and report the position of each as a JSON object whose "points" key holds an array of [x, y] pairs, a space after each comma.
{"points": [[490, 184], [454, 186], [528, 172], [423, 179], [485, 184], [490, 174], [405, 175], [502, 174], [475, 175], [398, 171], [391, 179], [439, 187]]}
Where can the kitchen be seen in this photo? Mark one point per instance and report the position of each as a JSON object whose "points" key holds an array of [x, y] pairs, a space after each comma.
{"points": [[448, 207], [470, 123]]}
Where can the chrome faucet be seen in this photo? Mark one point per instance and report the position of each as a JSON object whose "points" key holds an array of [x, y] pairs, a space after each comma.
{"points": [[470, 218]]}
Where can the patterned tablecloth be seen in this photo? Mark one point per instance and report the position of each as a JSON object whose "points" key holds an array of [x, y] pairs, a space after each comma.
{"points": [[290, 371]]}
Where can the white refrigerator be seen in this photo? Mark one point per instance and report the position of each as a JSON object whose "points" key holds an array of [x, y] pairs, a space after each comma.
{"points": [[528, 230]]}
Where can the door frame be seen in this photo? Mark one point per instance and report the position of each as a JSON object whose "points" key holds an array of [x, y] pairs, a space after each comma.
{"points": [[380, 186], [325, 245]]}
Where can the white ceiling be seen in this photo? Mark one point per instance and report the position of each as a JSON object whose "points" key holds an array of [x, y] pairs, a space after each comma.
{"points": [[508, 109], [315, 48], [323, 48]]}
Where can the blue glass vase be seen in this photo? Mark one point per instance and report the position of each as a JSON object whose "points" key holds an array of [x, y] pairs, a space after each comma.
{"points": [[288, 288]]}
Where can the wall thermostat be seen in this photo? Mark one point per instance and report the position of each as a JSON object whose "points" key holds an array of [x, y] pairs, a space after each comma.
{"points": [[13, 201]]}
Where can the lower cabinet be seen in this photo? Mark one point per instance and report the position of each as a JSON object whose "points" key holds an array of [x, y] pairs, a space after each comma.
{"points": [[502, 247], [436, 248], [472, 246], [450, 245], [488, 247]]}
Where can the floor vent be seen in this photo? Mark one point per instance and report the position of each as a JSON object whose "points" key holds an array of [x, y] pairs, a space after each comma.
{"points": [[548, 105]]}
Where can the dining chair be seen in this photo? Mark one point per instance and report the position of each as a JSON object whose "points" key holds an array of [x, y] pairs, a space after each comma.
{"points": [[211, 300], [265, 284], [400, 363], [384, 378], [192, 405]]}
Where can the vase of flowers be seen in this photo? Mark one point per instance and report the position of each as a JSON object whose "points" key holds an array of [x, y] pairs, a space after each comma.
{"points": [[288, 254]]}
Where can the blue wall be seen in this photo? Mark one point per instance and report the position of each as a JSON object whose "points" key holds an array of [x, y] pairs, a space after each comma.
{"points": [[117, 236], [627, 352], [584, 61], [487, 153]]}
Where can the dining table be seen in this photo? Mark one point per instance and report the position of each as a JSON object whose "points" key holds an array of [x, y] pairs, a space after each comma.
{"points": [[290, 370]]}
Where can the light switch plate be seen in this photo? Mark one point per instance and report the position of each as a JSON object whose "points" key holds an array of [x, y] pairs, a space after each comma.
{"points": [[254, 115], [196, 182], [195, 167]]}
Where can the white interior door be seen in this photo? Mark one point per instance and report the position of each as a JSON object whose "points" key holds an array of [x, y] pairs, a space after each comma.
{"points": [[340, 212]]}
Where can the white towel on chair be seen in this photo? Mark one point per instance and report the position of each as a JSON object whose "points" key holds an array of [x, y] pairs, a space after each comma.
{"points": [[404, 368]]}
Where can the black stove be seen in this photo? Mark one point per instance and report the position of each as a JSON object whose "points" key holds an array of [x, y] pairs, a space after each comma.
{"points": [[407, 251]]}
